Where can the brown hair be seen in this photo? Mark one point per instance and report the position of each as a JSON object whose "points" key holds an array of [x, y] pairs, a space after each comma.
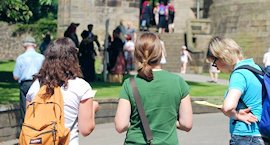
{"points": [[60, 65], [148, 53]]}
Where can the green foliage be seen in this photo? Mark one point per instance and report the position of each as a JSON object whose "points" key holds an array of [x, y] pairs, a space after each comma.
{"points": [[14, 11], [37, 29], [48, 2], [26, 11]]}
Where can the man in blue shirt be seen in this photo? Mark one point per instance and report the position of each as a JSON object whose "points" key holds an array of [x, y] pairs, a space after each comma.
{"points": [[27, 64]]}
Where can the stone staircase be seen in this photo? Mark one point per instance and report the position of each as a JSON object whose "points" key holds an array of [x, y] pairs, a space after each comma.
{"points": [[173, 43]]}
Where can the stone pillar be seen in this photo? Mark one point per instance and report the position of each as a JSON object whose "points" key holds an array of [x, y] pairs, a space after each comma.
{"points": [[63, 19], [182, 14]]}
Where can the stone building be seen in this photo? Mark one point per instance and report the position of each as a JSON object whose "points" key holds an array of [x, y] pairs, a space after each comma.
{"points": [[246, 21], [98, 11]]}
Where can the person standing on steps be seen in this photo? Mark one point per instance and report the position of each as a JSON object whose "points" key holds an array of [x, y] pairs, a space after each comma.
{"points": [[185, 56]]}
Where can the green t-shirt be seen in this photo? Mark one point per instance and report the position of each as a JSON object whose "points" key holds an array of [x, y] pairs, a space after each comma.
{"points": [[160, 98]]}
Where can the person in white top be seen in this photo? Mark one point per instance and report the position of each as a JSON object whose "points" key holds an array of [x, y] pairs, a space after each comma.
{"points": [[266, 60], [185, 56], [61, 68], [129, 47], [156, 14], [164, 53]]}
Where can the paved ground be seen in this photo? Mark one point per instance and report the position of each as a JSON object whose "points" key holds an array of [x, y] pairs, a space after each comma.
{"points": [[201, 78], [208, 129]]}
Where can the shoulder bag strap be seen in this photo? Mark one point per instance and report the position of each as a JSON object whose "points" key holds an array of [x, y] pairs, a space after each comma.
{"points": [[76, 120], [143, 118]]}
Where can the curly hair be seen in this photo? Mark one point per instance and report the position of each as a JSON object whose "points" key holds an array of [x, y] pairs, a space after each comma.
{"points": [[60, 65], [148, 52]]}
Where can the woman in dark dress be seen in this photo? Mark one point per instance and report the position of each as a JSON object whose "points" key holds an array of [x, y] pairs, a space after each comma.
{"points": [[87, 58], [116, 55]]}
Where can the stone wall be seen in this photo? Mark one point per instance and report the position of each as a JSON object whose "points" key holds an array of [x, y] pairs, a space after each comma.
{"points": [[97, 12], [10, 47], [183, 12], [247, 22]]}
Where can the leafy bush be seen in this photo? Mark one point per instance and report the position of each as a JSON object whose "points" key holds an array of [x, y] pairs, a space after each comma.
{"points": [[27, 11], [37, 29]]}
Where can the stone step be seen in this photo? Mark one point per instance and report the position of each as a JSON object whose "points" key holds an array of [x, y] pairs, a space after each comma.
{"points": [[173, 43]]}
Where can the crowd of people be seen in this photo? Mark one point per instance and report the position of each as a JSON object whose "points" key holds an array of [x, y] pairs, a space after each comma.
{"points": [[69, 64], [162, 14]]}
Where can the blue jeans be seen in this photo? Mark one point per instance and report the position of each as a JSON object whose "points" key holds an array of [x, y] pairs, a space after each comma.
{"points": [[246, 140]]}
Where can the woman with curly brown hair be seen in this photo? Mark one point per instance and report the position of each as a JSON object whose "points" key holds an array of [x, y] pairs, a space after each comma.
{"points": [[165, 98], [61, 68]]}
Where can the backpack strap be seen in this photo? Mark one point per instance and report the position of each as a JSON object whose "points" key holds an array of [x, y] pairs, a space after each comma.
{"points": [[252, 69], [257, 73], [145, 124]]}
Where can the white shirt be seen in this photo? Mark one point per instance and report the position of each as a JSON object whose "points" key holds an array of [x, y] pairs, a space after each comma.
{"points": [[28, 64], [266, 59], [76, 91], [129, 46]]}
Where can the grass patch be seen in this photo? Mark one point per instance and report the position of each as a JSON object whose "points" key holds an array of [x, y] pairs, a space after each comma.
{"points": [[221, 75], [213, 93], [7, 66], [9, 89]]}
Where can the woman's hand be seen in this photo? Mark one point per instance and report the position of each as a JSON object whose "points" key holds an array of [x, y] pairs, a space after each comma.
{"points": [[96, 106], [246, 116]]}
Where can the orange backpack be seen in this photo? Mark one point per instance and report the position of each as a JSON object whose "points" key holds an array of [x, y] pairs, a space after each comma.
{"points": [[44, 121]]}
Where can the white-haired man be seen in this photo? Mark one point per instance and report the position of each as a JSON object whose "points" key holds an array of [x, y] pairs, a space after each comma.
{"points": [[27, 64]]}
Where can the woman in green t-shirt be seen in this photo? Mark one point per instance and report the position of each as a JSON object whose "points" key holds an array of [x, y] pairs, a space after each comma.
{"points": [[165, 98]]}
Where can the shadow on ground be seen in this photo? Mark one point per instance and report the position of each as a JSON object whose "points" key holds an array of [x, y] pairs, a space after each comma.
{"points": [[6, 76]]}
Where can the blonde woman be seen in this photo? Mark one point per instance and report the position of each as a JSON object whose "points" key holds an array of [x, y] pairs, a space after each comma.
{"points": [[166, 106], [244, 88]]}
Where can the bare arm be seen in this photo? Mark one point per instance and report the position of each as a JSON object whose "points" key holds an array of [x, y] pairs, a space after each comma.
{"points": [[185, 114], [15, 78], [86, 121], [27, 103], [264, 59], [230, 104], [189, 56], [122, 115]]}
